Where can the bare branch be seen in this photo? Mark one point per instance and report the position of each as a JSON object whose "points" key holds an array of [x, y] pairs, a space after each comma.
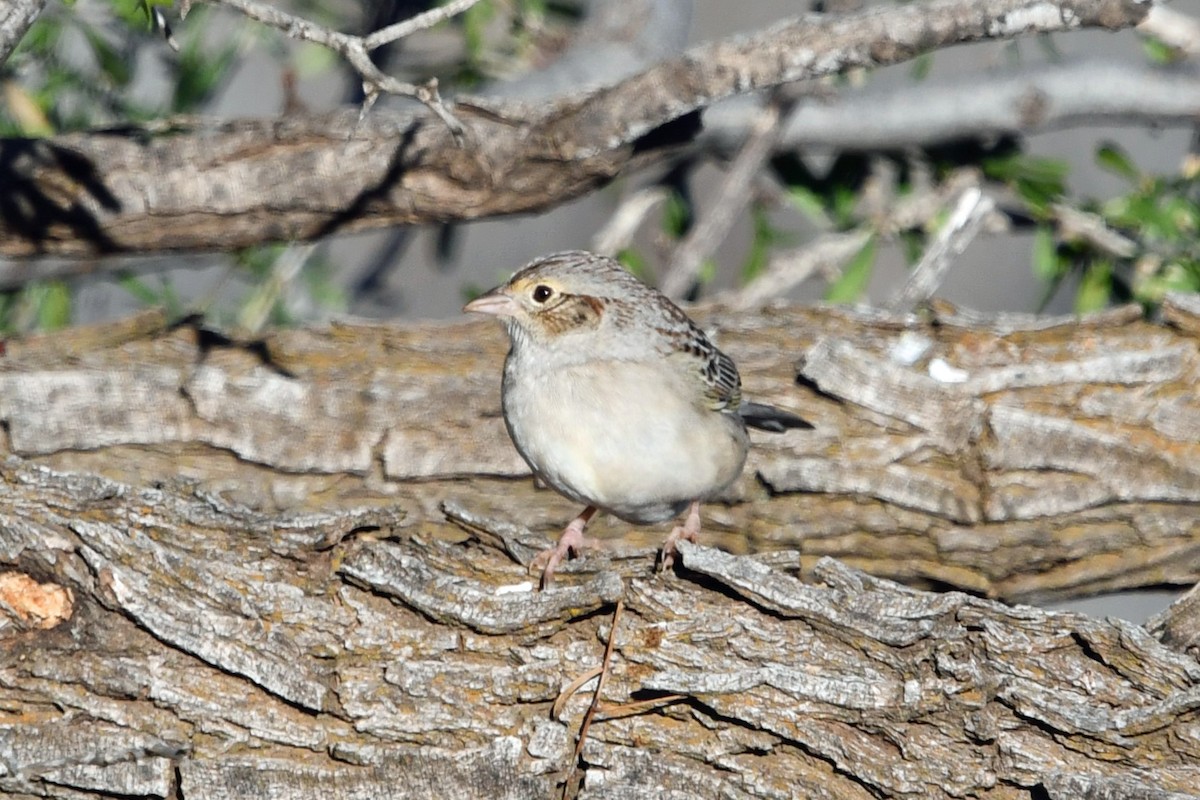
{"points": [[1033, 99], [732, 197], [256, 312], [965, 222], [243, 182], [1076, 225], [355, 49], [787, 270], [617, 234], [15, 18]]}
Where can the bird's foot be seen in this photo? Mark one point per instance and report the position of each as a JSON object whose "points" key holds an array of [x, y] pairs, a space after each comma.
{"points": [[572, 543], [689, 530]]}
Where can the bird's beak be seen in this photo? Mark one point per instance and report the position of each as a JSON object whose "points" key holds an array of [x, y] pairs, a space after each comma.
{"points": [[496, 302]]}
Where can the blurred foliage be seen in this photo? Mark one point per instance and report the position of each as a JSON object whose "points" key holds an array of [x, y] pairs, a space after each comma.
{"points": [[86, 65], [500, 38], [1159, 215]]}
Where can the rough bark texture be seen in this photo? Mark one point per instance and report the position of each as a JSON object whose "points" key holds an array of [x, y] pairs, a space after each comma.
{"points": [[1043, 459], [294, 567], [184, 185]]}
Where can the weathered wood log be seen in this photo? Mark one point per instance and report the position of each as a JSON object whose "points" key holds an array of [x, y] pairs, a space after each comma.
{"points": [[190, 648], [296, 567], [1020, 459]]}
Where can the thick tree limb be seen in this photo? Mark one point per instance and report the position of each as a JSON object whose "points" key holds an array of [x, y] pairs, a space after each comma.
{"points": [[1012, 457], [199, 187], [265, 588], [210, 651]]}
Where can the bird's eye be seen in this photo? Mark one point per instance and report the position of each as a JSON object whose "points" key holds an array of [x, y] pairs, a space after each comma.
{"points": [[541, 293]]}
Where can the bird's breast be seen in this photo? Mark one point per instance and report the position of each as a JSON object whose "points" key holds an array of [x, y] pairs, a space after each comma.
{"points": [[632, 438]]}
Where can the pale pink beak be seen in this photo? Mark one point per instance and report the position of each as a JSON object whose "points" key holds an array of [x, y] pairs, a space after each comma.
{"points": [[495, 302]]}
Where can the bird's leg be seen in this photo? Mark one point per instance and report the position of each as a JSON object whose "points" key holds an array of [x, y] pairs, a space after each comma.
{"points": [[571, 543], [689, 530]]}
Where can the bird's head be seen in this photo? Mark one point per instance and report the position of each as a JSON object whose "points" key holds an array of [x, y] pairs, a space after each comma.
{"points": [[559, 297]]}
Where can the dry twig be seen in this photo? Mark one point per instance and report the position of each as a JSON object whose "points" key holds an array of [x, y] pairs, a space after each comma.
{"points": [[962, 227], [356, 49], [732, 198]]}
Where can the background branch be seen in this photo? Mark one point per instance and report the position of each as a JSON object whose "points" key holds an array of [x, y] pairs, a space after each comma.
{"points": [[80, 195], [1028, 100], [702, 240], [356, 49], [15, 18]]}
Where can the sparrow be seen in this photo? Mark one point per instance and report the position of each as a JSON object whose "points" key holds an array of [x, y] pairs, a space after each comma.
{"points": [[617, 400]]}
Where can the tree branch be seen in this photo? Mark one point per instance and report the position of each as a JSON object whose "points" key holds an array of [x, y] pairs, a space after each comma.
{"points": [[356, 49], [1063, 463], [966, 220], [732, 197], [85, 194], [1029, 100], [201, 648], [15, 18]]}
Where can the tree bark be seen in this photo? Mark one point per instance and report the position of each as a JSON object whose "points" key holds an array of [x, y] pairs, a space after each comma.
{"points": [[297, 567], [186, 185]]}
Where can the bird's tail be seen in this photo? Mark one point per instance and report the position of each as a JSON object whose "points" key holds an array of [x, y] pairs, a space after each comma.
{"points": [[770, 418]]}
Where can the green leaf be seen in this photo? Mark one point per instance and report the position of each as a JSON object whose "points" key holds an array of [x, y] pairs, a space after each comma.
{"points": [[112, 63], [914, 242], [808, 203], [855, 276], [765, 237], [1046, 263], [1095, 289], [313, 59], [41, 39], [1159, 52], [633, 261], [475, 21], [677, 216], [54, 306], [318, 275], [1174, 277], [138, 288], [1111, 157], [845, 199], [469, 291], [921, 66], [171, 300], [200, 72], [1039, 181]]}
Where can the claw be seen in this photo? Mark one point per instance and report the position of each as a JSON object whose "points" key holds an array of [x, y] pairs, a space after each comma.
{"points": [[689, 530], [570, 544]]}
